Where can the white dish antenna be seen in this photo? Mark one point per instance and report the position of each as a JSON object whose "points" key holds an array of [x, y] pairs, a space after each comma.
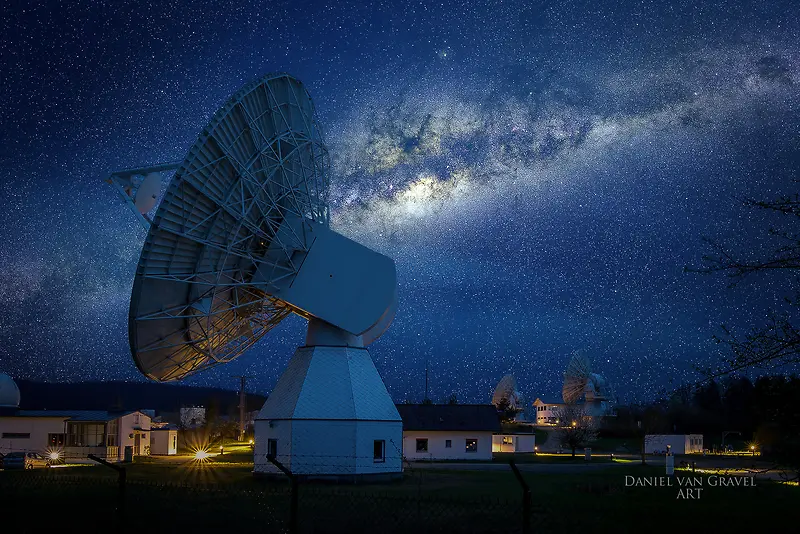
{"points": [[507, 389], [147, 193], [241, 240]]}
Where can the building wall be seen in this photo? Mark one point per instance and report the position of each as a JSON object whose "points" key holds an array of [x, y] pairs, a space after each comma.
{"points": [[513, 443], [37, 427], [546, 414], [437, 449], [680, 443], [328, 447], [163, 442], [129, 426]]}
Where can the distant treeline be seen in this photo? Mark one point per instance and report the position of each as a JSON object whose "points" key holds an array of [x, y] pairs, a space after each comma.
{"points": [[129, 396], [766, 412]]}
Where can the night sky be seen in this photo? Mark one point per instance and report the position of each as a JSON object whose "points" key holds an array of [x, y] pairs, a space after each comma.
{"points": [[541, 171]]}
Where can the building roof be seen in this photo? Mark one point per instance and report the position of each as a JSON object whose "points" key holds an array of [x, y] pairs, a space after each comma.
{"points": [[75, 415], [451, 417], [548, 402]]}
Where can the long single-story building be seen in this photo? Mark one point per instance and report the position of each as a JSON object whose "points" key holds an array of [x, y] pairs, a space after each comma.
{"points": [[448, 431], [72, 434]]}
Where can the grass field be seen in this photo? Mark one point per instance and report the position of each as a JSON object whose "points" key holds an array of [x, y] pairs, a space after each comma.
{"points": [[452, 501]]}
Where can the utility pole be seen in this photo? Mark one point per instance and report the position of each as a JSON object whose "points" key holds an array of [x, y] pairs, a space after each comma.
{"points": [[426, 379], [242, 405]]}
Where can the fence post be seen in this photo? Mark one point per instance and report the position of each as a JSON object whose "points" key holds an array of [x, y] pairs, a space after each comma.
{"points": [[121, 481], [293, 503], [526, 498]]}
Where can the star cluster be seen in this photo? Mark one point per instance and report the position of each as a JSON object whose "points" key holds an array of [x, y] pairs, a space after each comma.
{"points": [[541, 172]]}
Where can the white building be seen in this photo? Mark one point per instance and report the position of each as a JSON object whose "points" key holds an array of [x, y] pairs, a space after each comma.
{"points": [[676, 443], [448, 431], [164, 441], [73, 434], [547, 413], [513, 443]]}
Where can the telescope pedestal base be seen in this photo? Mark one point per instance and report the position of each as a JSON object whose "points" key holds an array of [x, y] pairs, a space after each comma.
{"points": [[330, 416]]}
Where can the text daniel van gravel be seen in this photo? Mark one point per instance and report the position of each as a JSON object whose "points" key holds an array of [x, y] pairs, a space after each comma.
{"points": [[690, 487]]}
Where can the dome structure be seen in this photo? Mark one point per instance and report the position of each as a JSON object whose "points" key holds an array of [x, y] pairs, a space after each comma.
{"points": [[9, 392]]}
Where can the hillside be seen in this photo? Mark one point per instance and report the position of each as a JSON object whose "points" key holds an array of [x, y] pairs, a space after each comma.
{"points": [[128, 396]]}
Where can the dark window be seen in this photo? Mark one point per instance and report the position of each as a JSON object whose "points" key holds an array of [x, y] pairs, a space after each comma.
{"points": [[272, 447], [16, 435], [422, 444], [86, 434], [379, 450], [471, 445], [448, 443], [56, 440]]}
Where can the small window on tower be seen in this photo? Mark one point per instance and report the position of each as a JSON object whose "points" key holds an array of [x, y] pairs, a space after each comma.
{"points": [[379, 450], [272, 447]]}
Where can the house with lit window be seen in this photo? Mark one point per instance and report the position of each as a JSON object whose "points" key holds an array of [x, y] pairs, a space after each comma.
{"points": [[547, 413], [70, 434], [448, 431]]}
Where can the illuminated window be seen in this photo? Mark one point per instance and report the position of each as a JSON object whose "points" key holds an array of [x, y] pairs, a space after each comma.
{"points": [[448, 443], [55, 440], [471, 445], [272, 447], [422, 445], [112, 429], [379, 450], [508, 440]]}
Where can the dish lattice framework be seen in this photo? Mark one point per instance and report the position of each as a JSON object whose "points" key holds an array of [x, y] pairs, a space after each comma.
{"points": [[260, 159], [507, 388], [576, 378]]}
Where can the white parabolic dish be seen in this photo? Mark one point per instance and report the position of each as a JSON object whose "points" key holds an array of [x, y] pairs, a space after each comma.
{"points": [[242, 239]]}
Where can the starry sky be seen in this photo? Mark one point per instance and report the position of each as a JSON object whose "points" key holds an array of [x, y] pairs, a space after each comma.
{"points": [[541, 172]]}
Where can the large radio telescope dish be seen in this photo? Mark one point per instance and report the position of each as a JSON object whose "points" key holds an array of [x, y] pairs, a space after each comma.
{"points": [[580, 383], [575, 378], [238, 220], [507, 389]]}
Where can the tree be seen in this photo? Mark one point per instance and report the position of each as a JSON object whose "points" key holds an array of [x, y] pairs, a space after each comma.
{"points": [[778, 341], [577, 429], [506, 410], [452, 399]]}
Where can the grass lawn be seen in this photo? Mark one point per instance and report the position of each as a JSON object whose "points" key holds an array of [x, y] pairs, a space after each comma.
{"points": [[450, 500]]}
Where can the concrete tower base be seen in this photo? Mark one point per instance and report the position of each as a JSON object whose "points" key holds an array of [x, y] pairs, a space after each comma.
{"points": [[330, 416]]}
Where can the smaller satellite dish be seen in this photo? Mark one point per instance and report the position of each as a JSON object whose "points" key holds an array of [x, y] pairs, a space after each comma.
{"points": [[147, 193]]}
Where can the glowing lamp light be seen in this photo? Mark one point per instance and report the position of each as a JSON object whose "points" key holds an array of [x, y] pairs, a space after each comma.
{"points": [[574, 423], [251, 442], [201, 455], [55, 455]]}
